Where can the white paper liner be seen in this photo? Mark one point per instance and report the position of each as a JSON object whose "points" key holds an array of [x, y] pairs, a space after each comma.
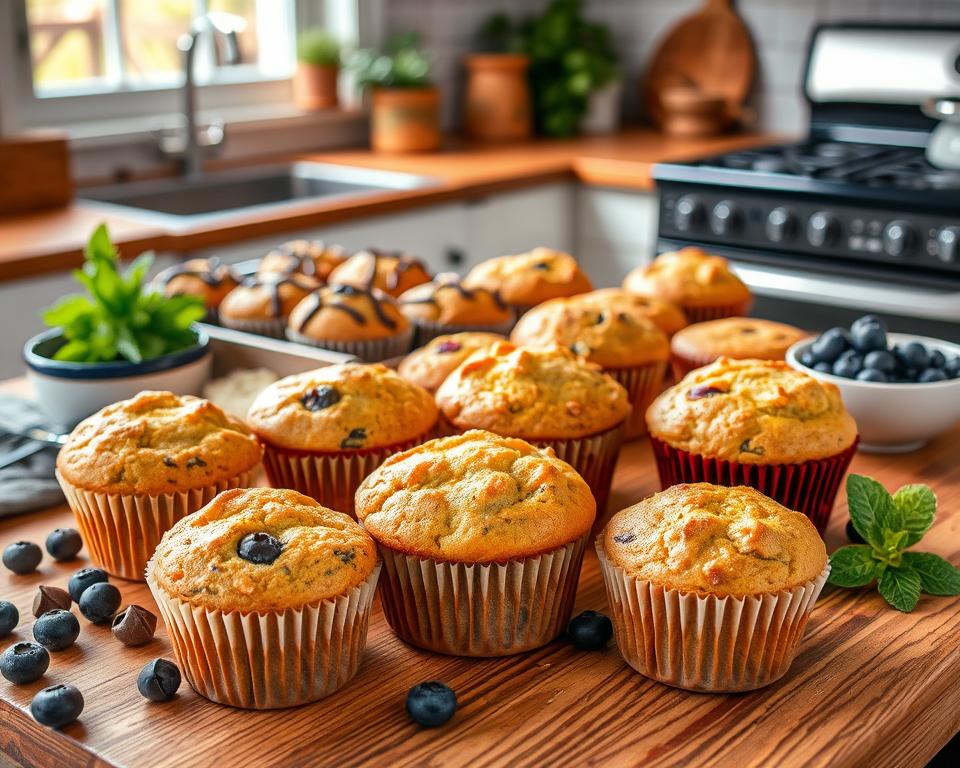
{"points": [[371, 350], [705, 642], [272, 327], [643, 383], [272, 659], [494, 609], [427, 330], [121, 532]]}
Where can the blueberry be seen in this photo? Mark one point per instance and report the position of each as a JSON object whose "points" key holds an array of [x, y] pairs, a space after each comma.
{"points": [[22, 557], [590, 631], [867, 338], [952, 367], [848, 364], [869, 320], [853, 535], [64, 544], [431, 704], [56, 630], [806, 358], [870, 374], [931, 375], [159, 680], [99, 602], [9, 617], [445, 347], [85, 577], [320, 398], [828, 345], [24, 662], [823, 367], [57, 706], [913, 355], [880, 360], [260, 548], [937, 359]]}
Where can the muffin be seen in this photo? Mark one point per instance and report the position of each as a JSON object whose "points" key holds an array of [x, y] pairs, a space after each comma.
{"points": [[312, 258], [133, 469], [757, 423], [668, 317], [210, 279], [356, 321], [326, 430], [548, 396], [266, 597], [429, 365], [482, 539], [621, 340], [710, 587], [528, 279], [703, 286], [444, 306], [262, 304], [393, 273], [737, 337]]}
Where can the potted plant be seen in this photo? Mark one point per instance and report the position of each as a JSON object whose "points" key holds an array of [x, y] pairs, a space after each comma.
{"points": [[405, 107], [318, 65], [116, 340]]}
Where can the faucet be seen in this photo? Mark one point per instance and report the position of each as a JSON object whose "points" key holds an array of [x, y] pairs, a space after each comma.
{"points": [[224, 27]]}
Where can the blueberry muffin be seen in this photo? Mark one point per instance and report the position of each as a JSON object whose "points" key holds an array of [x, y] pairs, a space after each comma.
{"points": [[306, 573], [429, 365], [439, 510], [262, 304], [394, 273], [133, 469], [445, 306], [312, 258], [729, 578], [668, 317], [736, 337], [210, 279]]}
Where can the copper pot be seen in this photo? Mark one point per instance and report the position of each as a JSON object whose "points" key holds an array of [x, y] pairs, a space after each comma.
{"points": [[405, 120], [498, 97]]}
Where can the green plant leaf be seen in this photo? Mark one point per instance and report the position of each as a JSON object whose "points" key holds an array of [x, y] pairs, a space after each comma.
{"points": [[68, 310], [916, 506], [900, 587], [852, 566], [871, 509], [100, 245], [937, 576]]}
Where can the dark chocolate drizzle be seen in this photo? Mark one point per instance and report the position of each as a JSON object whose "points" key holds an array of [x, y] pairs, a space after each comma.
{"points": [[468, 294], [214, 275], [317, 303], [405, 262], [301, 253], [272, 282]]}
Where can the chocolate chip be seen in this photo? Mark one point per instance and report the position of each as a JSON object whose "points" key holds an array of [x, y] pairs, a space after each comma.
{"points": [[134, 625], [355, 439], [195, 461], [168, 462], [624, 538], [449, 346], [600, 318], [50, 599], [703, 390], [346, 556], [514, 407], [319, 398], [745, 447], [542, 266], [346, 290]]}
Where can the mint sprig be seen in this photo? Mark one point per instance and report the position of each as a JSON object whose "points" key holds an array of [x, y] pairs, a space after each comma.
{"points": [[889, 525]]}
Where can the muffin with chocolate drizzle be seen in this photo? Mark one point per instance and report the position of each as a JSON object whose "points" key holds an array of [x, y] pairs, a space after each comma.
{"points": [[445, 305], [392, 272], [210, 279], [430, 364], [262, 303], [364, 322], [312, 258], [325, 430]]}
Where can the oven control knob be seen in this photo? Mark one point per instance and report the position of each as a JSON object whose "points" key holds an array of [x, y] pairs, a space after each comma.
{"points": [[948, 245], [822, 229], [726, 218], [781, 225], [688, 213], [899, 238]]}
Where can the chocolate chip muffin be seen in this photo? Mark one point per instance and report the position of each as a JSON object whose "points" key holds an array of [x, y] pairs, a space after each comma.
{"points": [[439, 510], [210, 279], [391, 272], [429, 365], [729, 577], [736, 337], [133, 469], [308, 574], [312, 258], [262, 304], [445, 306]]}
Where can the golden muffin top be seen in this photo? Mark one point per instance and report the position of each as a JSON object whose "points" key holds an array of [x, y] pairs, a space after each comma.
{"points": [[753, 412], [392, 272], [446, 301], [346, 313], [312, 258], [475, 498], [342, 408], [210, 279], [739, 337], [689, 277], [266, 296], [157, 442], [715, 540], [430, 364], [610, 336], [668, 317], [535, 393], [262, 549], [529, 278]]}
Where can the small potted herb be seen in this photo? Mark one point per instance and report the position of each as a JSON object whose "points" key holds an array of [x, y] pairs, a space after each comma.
{"points": [[318, 65], [116, 340], [405, 107]]}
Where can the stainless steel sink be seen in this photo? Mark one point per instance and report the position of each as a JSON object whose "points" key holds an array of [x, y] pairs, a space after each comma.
{"points": [[221, 196]]}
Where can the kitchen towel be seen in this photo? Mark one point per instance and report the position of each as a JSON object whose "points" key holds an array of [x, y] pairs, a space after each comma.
{"points": [[30, 483]]}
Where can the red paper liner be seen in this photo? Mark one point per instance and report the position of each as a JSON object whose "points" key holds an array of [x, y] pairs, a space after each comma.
{"points": [[643, 383], [681, 365], [809, 487], [702, 314]]}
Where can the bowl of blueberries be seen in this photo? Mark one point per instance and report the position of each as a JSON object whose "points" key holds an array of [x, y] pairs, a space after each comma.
{"points": [[903, 390]]}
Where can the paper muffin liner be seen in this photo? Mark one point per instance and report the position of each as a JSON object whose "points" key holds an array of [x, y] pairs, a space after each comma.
{"points": [[370, 351], [271, 659], [121, 531], [330, 477], [643, 383], [705, 642], [427, 330], [494, 609], [272, 327], [716, 312], [809, 487]]}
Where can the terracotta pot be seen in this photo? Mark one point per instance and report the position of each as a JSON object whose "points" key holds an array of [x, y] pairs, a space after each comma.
{"points": [[315, 86], [498, 97], [405, 120]]}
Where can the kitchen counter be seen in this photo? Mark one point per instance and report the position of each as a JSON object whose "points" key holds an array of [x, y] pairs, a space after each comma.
{"points": [[53, 241]]}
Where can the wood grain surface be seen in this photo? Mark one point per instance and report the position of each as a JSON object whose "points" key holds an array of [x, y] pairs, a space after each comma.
{"points": [[870, 687]]}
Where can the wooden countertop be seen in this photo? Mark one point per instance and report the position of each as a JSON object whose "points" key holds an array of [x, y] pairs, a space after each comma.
{"points": [[52, 241], [870, 686]]}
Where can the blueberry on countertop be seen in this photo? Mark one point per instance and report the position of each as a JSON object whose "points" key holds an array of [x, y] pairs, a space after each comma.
{"points": [[848, 365], [56, 630], [431, 704], [853, 535], [24, 662], [85, 577], [871, 374], [99, 602], [57, 706], [590, 631], [159, 680], [9, 617], [22, 557], [63, 544], [931, 375], [259, 548]]}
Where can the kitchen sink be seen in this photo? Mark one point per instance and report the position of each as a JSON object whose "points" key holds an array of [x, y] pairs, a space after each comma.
{"points": [[220, 196]]}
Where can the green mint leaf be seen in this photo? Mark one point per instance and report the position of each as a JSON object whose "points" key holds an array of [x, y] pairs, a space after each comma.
{"points": [[73, 351], [852, 566], [900, 587], [871, 509], [937, 576], [99, 245], [917, 506], [68, 310]]}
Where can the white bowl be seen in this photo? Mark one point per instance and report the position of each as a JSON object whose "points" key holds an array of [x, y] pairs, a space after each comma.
{"points": [[895, 418]]}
